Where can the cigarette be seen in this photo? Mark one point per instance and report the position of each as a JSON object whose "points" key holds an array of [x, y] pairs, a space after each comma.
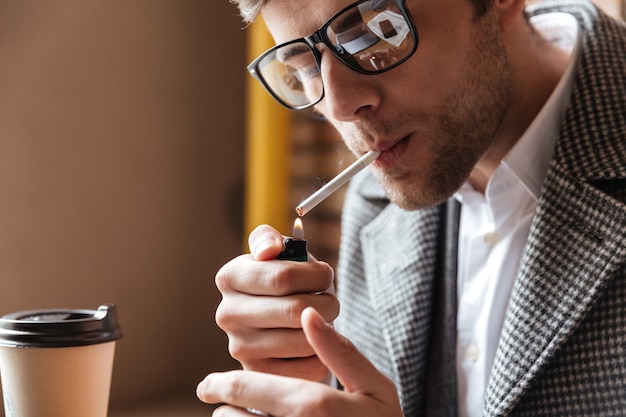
{"points": [[336, 183]]}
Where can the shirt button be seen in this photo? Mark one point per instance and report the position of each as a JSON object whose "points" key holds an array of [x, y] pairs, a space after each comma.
{"points": [[472, 353], [491, 239]]}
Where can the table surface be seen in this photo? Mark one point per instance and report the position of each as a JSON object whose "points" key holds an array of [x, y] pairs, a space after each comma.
{"points": [[177, 407]]}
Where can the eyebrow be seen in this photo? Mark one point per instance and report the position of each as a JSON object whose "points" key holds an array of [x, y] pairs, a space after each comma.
{"points": [[284, 53]]}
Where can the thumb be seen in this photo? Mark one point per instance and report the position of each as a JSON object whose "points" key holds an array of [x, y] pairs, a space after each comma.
{"points": [[265, 243], [355, 372]]}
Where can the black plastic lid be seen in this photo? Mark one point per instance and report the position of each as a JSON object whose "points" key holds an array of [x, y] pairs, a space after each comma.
{"points": [[60, 327]]}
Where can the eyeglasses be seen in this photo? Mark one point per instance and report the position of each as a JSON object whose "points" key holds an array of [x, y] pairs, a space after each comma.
{"points": [[369, 36]]}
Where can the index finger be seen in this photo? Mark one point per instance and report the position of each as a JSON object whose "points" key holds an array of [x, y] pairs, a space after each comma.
{"points": [[274, 278], [276, 395]]}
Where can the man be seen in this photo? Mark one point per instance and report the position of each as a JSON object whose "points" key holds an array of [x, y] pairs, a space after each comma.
{"points": [[483, 261]]}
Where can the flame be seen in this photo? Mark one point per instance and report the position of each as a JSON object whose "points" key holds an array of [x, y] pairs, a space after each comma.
{"points": [[298, 231]]}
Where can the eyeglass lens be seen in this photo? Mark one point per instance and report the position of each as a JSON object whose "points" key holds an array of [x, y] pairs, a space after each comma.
{"points": [[369, 37]]}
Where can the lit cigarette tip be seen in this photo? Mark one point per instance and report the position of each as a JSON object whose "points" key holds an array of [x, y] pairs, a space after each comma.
{"points": [[336, 183]]}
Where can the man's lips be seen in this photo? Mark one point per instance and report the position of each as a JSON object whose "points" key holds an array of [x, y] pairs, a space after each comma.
{"points": [[389, 157]]}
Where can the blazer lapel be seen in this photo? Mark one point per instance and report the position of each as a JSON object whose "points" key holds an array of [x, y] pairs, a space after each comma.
{"points": [[399, 251], [561, 276]]}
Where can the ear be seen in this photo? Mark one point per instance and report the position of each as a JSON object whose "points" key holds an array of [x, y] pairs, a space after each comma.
{"points": [[508, 12]]}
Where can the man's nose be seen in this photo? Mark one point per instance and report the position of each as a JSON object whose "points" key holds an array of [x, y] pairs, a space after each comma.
{"points": [[347, 93]]}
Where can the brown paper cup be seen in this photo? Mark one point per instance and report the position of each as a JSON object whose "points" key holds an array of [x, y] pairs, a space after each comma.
{"points": [[58, 363]]}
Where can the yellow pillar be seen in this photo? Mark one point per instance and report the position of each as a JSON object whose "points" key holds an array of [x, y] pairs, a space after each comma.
{"points": [[267, 137]]}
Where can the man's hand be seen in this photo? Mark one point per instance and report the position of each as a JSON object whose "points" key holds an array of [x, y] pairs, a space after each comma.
{"points": [[262, 300], [368, 393]]}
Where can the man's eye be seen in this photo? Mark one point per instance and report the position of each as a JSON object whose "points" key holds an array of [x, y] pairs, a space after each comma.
{"points": [[301, 60], [308, 72]]}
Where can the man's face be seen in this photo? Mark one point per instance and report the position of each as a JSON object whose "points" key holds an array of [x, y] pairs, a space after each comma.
{"points": [[433, 116]]}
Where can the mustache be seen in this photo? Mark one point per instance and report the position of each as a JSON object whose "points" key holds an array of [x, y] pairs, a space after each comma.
{"points": [[376, 130]]}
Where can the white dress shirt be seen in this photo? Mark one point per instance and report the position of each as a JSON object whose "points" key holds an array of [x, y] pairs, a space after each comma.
{"points": [[494, 228]]}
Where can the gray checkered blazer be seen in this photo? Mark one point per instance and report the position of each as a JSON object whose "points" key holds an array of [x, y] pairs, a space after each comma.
{"points": [[562, 351]]}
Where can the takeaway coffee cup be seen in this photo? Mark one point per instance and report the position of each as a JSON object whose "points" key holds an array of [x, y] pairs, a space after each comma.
{"points": [[58, 363]]}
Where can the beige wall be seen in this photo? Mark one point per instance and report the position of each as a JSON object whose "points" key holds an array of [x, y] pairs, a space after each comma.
{"points": [[121, 158]]}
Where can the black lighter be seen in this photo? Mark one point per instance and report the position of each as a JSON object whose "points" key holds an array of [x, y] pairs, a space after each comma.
{"points": [[294, 248]]}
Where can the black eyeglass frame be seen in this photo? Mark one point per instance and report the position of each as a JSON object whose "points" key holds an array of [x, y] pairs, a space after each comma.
{"points": [[319, 36]]}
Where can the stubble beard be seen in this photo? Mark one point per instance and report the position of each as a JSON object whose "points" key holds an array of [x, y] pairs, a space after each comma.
{"points": [[466, 123]]}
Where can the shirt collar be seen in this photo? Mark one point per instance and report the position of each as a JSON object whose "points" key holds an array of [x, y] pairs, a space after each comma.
{"points": [[529, 159]]}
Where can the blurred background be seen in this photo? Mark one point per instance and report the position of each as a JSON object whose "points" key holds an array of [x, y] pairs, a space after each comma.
{"points": [[128, 129], [121, 172]]}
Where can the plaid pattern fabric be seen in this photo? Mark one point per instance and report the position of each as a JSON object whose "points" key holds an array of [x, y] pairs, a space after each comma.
{"points": [[562, 351]]}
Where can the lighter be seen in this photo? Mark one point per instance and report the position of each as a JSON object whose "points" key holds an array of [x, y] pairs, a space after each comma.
{"points": [[294, 248]]}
